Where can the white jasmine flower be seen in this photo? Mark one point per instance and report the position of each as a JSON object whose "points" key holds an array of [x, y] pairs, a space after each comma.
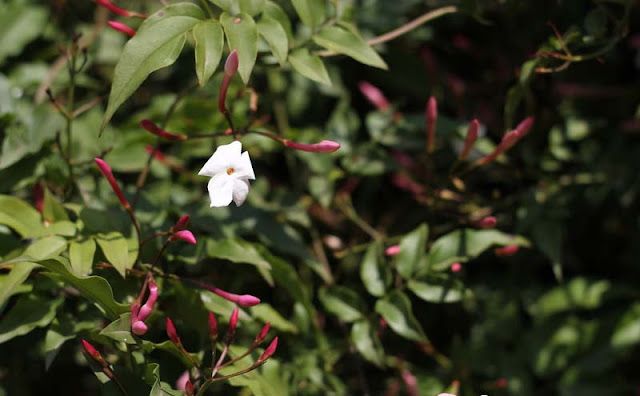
{"points": [[230, 173]]}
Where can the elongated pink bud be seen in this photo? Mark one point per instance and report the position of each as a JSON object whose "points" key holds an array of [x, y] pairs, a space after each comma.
{"points": [[263, 333], [487, 222], [184, 235], [472, 135], [121, 27], [188, 388], [139, 328], [525, 125], [38, 197], [181, 383], [117, 10], [213, 326], [172, 333], [151, 127], [91, 351], [271, 349], [325, 146], [508, 140], [233, 321], [392, 250], [146, 309], [181, 223], [431, 113], [231, 65], [456, 267], [373, 95], [410, 383], [245, 300], [507, 250], [106, 172]]}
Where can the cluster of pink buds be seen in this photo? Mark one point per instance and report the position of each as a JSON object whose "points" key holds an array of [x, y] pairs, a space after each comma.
{"points": [[139, 314]]}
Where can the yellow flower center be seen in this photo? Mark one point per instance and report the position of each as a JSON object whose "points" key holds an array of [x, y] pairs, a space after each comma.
{"points": [[230, 171]]}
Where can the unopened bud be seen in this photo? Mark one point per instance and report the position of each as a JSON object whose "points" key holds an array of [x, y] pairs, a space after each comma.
{"points": [[431, 114], [213, 326], [392, 250], [184, 235], [325, 146], [188, 388], [117, 10], [410, 383], [263, 333], [507, 250], [121, 27], [151, 127], [233, 321], [245, 300], [146, 309], [181, 223], [373, 95], [139, 328], [172, 333], [271, 349], [470, 139], [93, 353], [231, 65], [487, 222], [106, 172], [456, 267], [525, 125]]}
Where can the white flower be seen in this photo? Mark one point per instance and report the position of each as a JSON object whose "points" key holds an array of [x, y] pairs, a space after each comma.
{"points": [[230, 173]]}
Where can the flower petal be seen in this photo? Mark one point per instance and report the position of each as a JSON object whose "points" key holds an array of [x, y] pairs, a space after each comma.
{"points": [[221, 189], [240, 190], [222, 159], [243, 168]]}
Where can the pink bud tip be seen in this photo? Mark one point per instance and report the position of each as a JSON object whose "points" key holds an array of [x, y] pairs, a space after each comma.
{"points": [[431, 116], [325, 146], [472, 135], [271, 349], [456, 267], [188, 388], [213, 326], [139, 328], [181, 223], [113, 8], [151, 127], [172, 333], [233, 321], [184, 235], [507, 250], [105, 169], [181, 383], [263, 333], [121, 27], [38, 197], [245, 300], [91, 351], [410, 382], [487, 222], [231, 65], [392, 250], [525, 126], [147, 308], [373, 95]]}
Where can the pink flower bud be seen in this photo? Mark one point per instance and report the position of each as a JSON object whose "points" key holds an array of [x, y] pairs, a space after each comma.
{"points": [[245, 300], [508, 140], [392, 250], [188, 388], [113, 8], [184, 235], [325, 146], [501, 383], [106, 172], [38, 197], [181, 383], [91, 351], [157, 154], [139, 328], [171, 332], [121, 27], [524, 126], [373, 95], [507, 250], [410, 383], [271, 349], [263, 333], [151, 127], [487, 222], [231, 65], [181, 223], [213, 326], [456, 267], [431, 113], [233, 321], [472, 135], [146, 309]]}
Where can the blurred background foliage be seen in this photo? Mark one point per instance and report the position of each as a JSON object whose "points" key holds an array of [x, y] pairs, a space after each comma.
{"points": [[560, 317]]}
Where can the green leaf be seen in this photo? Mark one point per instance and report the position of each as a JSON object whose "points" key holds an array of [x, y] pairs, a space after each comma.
{"points": [[52, 210], [267, 313], [627, 331], [578, 293], [395, 308], [81, 256], [274, 11], [275, 35], [436, 293], [342, 302], [311, 12], [157, 44], [464, 244], [209, 41], [375, 276], [236, 251], [20, 216], [120, 329], [116, 249], [242, 35], [367, 342], [251, 7], [223, 4], [10, 284], [309, 65], [412, 251], [13, 19], [95, 288], [30, 311], [345, 42]]}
